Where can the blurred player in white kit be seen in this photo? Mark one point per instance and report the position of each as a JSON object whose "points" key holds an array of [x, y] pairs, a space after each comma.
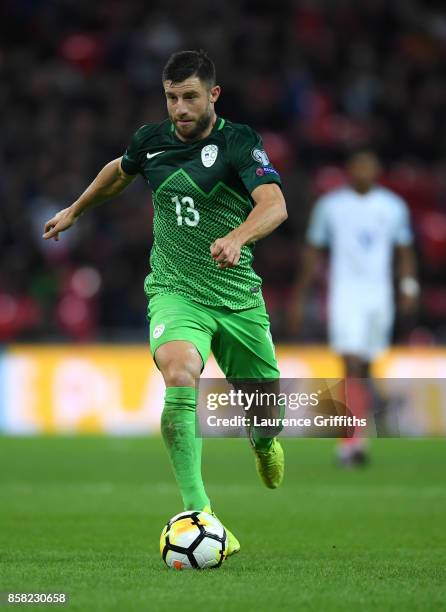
{"points": [[366, 228]]}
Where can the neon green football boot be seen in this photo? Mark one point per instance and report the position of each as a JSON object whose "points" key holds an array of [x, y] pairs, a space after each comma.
{"points": [[270, 464], [233, 543]]}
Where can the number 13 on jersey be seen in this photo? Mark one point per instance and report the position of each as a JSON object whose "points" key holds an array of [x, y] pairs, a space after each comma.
{"points": [[191, 215]]}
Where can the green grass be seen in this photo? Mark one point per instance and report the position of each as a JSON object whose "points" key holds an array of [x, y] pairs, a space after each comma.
{"points": [[83, 516]]}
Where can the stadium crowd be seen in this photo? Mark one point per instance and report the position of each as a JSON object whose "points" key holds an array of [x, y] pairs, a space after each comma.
{"points": [[314, 77]]}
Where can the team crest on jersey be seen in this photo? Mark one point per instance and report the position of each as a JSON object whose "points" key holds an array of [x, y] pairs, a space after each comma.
{"points": [[260, 156], [159, 330], [209, 155]]}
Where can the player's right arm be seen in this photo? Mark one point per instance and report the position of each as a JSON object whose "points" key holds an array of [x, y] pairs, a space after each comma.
{"points": [[110, 182], [309, 264], [317, 240]]}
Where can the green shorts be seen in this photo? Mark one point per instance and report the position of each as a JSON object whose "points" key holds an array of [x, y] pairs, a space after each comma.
{"points": [[239, 339]]}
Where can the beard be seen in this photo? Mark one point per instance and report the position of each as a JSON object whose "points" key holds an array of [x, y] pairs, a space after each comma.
{"points": [[201, 125]]}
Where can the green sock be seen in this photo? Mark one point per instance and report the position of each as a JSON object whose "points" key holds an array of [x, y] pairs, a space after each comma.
{"points": [[184, 448], [262, 444]]}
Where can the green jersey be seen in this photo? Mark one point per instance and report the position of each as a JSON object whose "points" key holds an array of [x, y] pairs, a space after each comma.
{"points": [[201, 191]]}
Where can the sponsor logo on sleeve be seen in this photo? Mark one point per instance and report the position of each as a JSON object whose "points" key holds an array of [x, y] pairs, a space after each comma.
{"points": [[159, 330], [267, 170], [270, 170], [259, 155]]}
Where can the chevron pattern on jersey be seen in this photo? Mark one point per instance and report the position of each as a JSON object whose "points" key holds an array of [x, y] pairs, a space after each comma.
{"points": [[186, 222]]}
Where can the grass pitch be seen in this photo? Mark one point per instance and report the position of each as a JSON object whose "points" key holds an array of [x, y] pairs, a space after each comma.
{"points": [[83, 516]]}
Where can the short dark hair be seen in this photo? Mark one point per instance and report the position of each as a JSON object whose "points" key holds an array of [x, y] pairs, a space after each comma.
{"points": [[361, 149], [184, 64]]}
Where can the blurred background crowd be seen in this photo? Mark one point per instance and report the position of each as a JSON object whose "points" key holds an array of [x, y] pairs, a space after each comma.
{"points": [[314, 77]]}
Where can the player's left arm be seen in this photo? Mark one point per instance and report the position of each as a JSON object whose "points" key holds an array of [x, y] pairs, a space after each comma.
{"points": [[407, 282], [406, 262], [268, 213]]}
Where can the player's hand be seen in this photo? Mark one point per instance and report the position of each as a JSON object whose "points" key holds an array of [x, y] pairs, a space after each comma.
{"points": [[59, 223], [226, 251], [295, 315]]}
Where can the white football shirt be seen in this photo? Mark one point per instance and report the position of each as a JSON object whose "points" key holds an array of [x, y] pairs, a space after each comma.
{"points": [[361, 232]]}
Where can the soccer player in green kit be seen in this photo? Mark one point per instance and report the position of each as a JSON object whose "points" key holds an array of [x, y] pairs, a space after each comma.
{"points": [[215, 193]]}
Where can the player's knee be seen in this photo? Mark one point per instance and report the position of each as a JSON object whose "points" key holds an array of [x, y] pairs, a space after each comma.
{"points": [[177, 374], [179, 363]]}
